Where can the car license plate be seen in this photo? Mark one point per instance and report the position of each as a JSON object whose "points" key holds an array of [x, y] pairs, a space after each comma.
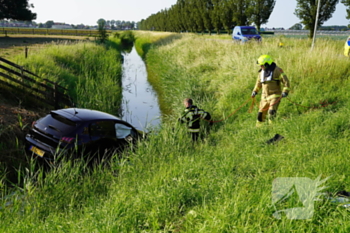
{"points": [[37, 151]]}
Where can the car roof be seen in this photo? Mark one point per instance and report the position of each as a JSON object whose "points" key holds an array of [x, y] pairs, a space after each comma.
{"points": [[81, 114]]}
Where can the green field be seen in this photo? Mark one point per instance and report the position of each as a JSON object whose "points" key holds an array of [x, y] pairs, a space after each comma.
{"points": [[222, 184]]}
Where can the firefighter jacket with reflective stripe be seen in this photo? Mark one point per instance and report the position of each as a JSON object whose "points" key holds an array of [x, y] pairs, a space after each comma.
{"points": [[192, 117], [271, 82]]}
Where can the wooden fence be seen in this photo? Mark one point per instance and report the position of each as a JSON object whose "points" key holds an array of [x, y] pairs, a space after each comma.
{"points": [[44, 90]]}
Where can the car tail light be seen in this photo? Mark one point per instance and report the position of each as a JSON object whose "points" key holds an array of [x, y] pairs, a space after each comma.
{"points": [[67, 140]]}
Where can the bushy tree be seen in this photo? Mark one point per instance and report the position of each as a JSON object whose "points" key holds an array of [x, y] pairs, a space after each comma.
{"points": [[16, 9], [102, 29], [49, 24], [307, 9], [347, 3], [260, 11], [297, 26]]}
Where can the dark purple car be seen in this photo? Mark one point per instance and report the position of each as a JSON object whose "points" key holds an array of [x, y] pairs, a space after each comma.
{"points": [[80, 130]]}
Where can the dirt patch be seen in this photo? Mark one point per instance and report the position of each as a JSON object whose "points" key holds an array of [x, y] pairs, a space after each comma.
{"points": [[15, 123]]}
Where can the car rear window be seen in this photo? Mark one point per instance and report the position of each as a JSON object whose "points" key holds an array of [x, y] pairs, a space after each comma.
{"points": [[63, 119], [58, 123]]}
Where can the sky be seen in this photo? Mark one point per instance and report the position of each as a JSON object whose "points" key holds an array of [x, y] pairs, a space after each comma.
{"points": [[89, 11]]}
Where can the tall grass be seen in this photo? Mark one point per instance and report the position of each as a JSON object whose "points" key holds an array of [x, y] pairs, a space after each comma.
{"points": [[90, 72], [223, 183]]}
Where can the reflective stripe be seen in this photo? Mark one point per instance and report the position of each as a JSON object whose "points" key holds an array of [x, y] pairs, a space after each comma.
{"points": [[189, 116], [193, 130], [273, 96]]}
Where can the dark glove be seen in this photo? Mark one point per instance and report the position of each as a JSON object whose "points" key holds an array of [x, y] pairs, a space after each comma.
{"points": [[284, 94], [254, 93], [211, 123]]}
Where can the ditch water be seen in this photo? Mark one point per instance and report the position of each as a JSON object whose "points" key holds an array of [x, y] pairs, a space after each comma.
{"points": [[140, 102]]}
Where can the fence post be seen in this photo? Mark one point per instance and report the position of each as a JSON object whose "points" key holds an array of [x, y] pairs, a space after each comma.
{"points": [[26, 52], [55, 93]]}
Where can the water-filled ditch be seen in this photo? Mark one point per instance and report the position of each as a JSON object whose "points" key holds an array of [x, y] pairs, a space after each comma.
{"points": [[140, 102]]}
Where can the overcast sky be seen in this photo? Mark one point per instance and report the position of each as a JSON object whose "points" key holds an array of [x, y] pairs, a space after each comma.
{"points": [[89, 11]]}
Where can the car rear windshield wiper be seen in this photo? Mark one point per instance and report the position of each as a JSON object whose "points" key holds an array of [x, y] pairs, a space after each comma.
{"points": [[54, 128]]}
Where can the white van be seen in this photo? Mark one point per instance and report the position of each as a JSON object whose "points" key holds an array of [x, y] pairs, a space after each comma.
{"points": [[245, 33]]}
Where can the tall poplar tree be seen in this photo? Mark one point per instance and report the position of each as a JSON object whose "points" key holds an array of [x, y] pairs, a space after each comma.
{"points": [[186, 14], [260, 11], [197, 13], [217, 13], [175, 18], [240, 11], [307, 9], [225, 11], [207, 10]]}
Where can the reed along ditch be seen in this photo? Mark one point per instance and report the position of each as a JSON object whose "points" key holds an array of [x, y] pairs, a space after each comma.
{"points": [[140, 102]]}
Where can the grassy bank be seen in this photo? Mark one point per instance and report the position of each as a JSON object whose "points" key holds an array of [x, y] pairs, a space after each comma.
{"points": [[224, 183], [220, 76], [90, 72]]}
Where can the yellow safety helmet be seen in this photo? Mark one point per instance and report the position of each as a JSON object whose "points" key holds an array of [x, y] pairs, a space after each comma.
{"points": [[263, 59]]}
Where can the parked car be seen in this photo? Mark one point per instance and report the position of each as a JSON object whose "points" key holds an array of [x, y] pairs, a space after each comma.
{"points": [[245, 33], [80, 130], [347, 47]]}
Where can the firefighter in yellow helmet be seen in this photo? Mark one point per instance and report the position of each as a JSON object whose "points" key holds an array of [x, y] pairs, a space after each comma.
{"points": [[271, 79]]}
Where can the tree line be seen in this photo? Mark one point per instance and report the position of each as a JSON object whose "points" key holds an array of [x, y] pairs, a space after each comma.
{"points": [[117, 24], [203, 15], [216, 15], [209, 15]]}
